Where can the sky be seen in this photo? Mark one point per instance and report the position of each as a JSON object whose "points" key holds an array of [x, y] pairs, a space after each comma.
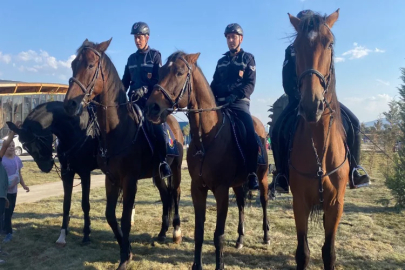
{"points": [[39, 39]]}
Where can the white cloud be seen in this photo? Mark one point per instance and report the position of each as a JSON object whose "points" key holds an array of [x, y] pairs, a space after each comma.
{"points": [[6, 58], [339, 59], [383, 82], [360, 51], [368, 108]]}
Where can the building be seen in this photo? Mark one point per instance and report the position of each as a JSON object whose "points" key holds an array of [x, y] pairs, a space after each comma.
{"points": [[17, 99]]}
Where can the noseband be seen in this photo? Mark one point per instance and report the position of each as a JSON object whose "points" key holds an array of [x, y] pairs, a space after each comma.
{"points": [[88, 91], [186, 86]]}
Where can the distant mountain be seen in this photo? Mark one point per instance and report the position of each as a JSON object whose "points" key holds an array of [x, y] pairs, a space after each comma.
{"points": [[371, 123]]}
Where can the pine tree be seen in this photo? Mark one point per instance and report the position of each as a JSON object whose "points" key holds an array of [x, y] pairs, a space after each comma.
{"points": [[395, 181]]}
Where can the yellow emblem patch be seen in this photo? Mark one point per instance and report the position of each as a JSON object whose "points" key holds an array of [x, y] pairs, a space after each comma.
{"points": [[241, 73]]}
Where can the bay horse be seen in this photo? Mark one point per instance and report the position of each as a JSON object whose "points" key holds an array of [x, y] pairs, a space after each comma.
{"points": [[213, 158], [125, 154], [76, 153], [318, 161]]}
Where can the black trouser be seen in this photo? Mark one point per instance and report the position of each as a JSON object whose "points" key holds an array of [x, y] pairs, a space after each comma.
{"points": [[280, 149], [241, 108], [2, 210], [351, 125], [160, 142], [12, 198]]}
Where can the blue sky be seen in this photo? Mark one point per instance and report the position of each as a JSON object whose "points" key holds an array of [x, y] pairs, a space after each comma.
{"points": [[39, 39]]}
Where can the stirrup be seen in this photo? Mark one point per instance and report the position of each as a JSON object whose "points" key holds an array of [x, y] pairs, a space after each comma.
{"points": [[160, 172], [365, 172], [273, 190]]}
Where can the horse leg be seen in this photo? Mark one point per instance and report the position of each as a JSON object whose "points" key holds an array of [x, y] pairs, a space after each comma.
{"points": [[176, 191], [240, 200], [199, 196], [86, 206], [331, 222], [67, 179], [129, 192], [112, 192], [263, 186], [164, 196], [221, 194], [301, 214]]}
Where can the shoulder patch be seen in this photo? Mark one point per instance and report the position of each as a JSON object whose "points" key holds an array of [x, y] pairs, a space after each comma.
{"points": [[253, 68]]}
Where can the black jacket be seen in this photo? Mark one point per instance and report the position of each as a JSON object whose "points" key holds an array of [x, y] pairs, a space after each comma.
{"points": [[234, 75]]}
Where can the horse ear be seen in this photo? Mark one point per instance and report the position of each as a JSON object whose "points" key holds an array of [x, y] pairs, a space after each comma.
{"points": [[192, 58], [86, 42], [14, 128], [332, 18], [294, 21], [102, 47]]}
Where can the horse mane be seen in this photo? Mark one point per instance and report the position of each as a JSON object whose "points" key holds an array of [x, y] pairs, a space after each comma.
{"points": [[173, 57], [113, 82], [314, 22]]}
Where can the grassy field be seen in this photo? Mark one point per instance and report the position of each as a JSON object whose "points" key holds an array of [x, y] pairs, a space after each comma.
{"points": [[370, 236], [33, 176]]}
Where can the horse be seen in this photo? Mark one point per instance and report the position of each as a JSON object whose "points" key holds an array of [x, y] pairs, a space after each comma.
{"points": [[125, 154], [318, 160], [76, 153], [214, 160]]}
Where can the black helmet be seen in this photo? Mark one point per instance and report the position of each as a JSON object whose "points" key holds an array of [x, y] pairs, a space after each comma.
{"points": [[233, 28], [140, 28], [303, 13]]}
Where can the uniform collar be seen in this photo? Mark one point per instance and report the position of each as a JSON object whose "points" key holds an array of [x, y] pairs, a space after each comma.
{"points": [[145, 51], [228, 53]]}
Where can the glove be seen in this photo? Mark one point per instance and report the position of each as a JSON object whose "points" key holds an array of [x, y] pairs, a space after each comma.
{"points": [[230, 99], [140, 92]]}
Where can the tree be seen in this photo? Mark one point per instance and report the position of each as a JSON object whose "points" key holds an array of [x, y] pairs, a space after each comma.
{"points": [[186, 130], [395, 180]]}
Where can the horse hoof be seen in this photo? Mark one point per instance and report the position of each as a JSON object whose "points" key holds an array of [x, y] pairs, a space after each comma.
{"points": [[86, 241], [177, 236], [161, 238], [266, 242], [60, 244], [196, 267], [123, 265], [238, 245]]}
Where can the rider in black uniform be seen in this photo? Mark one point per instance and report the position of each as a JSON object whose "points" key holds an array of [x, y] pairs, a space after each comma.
{"points": [[280, 148], [140, 75], [233, 83]]}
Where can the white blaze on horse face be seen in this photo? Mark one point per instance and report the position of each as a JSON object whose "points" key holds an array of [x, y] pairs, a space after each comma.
{"points": [[312, 35], [170, 64]]}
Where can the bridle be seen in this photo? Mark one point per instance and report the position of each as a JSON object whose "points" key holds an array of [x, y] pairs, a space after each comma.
{"points": [[88, 91], [186, 86]]}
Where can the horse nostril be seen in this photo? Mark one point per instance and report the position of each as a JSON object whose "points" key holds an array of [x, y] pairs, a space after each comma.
{"points": [[154, 108]]}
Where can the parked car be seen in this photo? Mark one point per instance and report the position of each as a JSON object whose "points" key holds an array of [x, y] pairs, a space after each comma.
{"points": [[19, 150]]}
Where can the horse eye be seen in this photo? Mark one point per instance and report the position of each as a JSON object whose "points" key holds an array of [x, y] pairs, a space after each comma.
{"points": [[91, 66], [179, 74], [330, 45]]}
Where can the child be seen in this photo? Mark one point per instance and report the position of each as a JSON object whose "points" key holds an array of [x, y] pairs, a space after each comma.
{"points": [[4, 181], [13, 165]]}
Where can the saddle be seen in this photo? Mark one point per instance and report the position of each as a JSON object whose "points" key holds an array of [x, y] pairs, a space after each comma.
{"points": [[239, 134], [146, 127]]}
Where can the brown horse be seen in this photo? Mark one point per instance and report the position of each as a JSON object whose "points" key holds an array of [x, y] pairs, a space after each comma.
{"points": [[319, 170], [125, 155], [214, 161]]}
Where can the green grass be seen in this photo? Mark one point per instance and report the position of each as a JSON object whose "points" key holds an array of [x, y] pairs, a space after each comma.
{"points": [[370, 236], [33, 176]]}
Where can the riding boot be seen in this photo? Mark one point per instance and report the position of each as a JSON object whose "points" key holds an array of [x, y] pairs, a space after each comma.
{"points": [[164, 168], [356, 179]]}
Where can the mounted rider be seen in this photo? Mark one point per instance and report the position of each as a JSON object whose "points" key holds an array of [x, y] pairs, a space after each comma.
{"points": [[140, 75], [280, 148], [233, 83]]}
